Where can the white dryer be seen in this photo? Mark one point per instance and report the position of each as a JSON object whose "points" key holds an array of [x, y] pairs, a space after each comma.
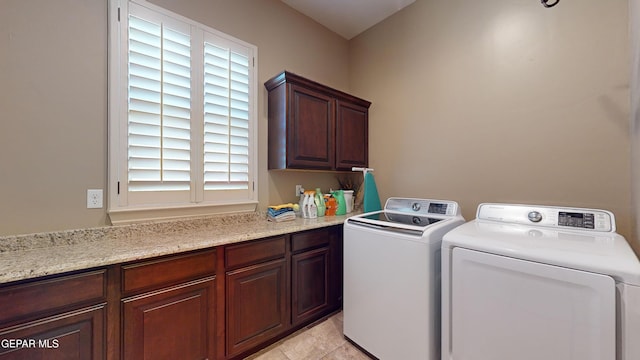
{"points": [[537, 282], [391, 303]]}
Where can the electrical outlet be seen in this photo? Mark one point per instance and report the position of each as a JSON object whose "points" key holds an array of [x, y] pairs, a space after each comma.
{"points": [[94, 199], [299, 189]]}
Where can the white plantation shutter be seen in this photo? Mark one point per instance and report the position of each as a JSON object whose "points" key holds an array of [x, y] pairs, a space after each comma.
{"points": [[182, 116], [159, 107], [226, 119]]}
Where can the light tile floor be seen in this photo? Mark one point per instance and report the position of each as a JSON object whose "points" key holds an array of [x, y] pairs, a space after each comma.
{"points": [[322, 341]]}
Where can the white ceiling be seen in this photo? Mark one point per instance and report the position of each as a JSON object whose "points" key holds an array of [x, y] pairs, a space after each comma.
{"points": [[348, 18]]}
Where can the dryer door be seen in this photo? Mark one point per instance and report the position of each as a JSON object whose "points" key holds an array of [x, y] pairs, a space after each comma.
{"points": [[504, 309]]}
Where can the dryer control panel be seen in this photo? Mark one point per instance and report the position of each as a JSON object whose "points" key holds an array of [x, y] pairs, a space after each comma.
{"points": [[549, 216]]}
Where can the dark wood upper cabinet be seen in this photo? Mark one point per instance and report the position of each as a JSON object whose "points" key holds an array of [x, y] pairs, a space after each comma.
{"points": [[352, 135], [312, 126]]}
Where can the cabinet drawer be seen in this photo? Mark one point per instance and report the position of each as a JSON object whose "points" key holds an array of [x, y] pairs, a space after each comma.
{"points": [[309, 239], [254, 252], [36, 298], [154, 274]]}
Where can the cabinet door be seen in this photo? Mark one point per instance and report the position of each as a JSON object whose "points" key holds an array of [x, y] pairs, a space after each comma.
{"points": [[77, 335], [256, 305], [335, 266], [352, 135], [310, 284], [174, 323], [310, 134]]}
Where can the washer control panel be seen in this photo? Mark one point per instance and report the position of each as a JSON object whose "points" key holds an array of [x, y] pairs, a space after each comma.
{"points": [[423, 206], [549, 216]]}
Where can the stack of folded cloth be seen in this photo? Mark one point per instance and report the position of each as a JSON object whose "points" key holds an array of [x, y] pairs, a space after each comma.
{"points": [[282, 212]]}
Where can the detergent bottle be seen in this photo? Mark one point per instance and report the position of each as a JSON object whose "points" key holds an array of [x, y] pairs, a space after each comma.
{"points": [[304, 202], [301, 204], [311, 205], [320, 206], [342, 205], [331, 205]]}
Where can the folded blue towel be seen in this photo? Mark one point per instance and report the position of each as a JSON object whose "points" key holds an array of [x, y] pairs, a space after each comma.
{"points": [[273, 212], [371, 197]]}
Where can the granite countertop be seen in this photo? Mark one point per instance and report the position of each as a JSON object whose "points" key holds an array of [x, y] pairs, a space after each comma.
{"points": [[34, 255]]}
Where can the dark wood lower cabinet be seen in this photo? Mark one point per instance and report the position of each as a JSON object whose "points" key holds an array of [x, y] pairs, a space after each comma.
{"points": [[217, 303], [173, 323], [336, 267], [310, 285], [57, 317], [316, 273], [256, 305], [77, 335]]}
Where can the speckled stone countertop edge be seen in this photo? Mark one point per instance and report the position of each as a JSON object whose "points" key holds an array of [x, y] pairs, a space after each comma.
{"points": [[31, 256]]}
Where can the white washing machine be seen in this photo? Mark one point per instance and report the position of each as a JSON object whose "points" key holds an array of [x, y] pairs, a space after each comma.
{"points": [[536, 282], [391, 303]]}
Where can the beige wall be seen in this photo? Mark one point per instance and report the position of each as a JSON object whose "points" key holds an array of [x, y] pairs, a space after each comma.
{"points": [[472, 101], [634, 11], [53, 99], [500, 101], [53, 104]]}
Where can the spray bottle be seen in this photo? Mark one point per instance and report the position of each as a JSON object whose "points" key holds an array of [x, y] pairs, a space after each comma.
{"points": [[312, 210]]}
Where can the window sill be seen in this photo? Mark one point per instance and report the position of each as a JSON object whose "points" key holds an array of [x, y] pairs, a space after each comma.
{"points": [[138, 215]]}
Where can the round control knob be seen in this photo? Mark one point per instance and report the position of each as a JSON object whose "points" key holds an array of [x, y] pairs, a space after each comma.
{"points": [[415, 206], [416, 220], [534, 216]]}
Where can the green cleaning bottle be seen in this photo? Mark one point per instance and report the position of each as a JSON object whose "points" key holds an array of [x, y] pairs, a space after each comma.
{"points": [[342, 205], [320, 206]]}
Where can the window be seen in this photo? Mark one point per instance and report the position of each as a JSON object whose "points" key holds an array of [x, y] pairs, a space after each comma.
{"points": [[182, 116]]}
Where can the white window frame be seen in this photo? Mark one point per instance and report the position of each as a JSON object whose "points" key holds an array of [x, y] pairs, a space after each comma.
{"points": [[125, 206]]}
